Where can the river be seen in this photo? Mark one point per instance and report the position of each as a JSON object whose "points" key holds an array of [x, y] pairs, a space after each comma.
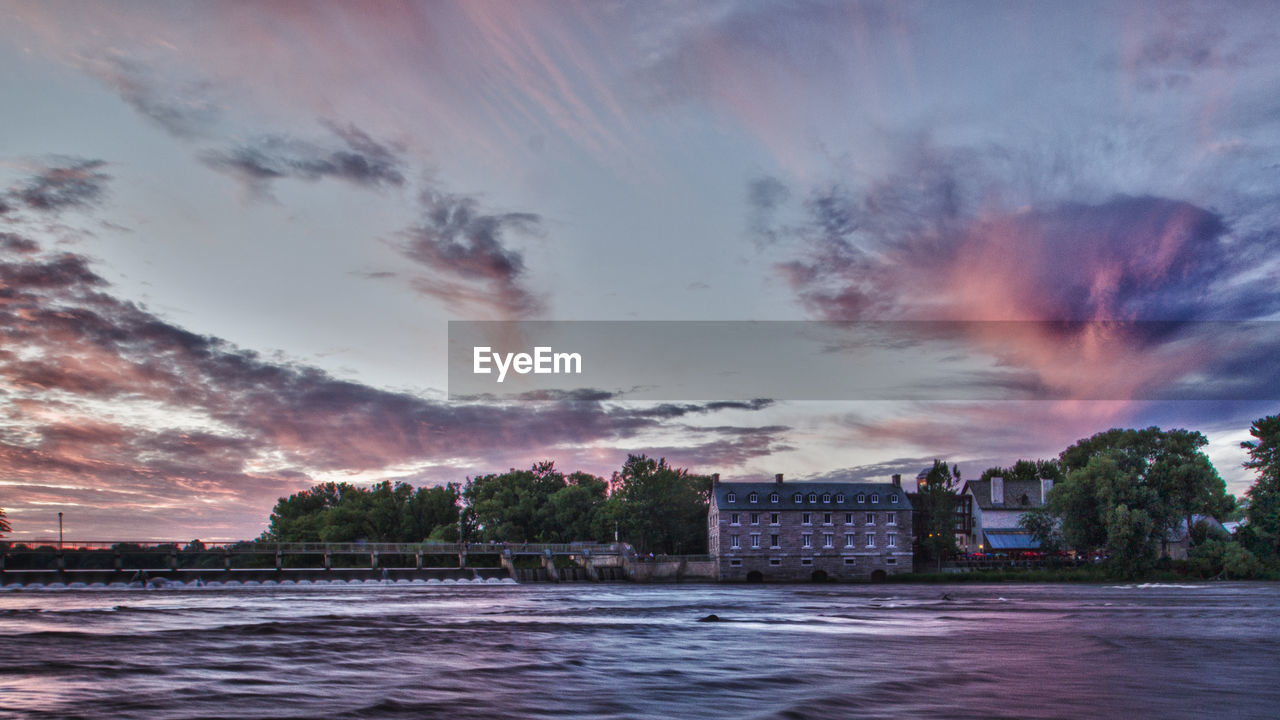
{"points": [[638, 651]]}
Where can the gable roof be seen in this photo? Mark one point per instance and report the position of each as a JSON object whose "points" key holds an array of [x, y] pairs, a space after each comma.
{"points": [[1018, 494], [787, 490]]}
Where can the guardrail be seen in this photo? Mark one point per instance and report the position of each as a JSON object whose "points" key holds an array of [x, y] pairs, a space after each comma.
{"points": [[427, 548]]}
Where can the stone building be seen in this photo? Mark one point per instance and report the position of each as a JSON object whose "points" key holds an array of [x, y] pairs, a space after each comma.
{"points": [[808, 531]]}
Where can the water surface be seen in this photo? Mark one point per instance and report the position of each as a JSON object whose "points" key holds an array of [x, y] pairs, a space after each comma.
{"points": [[632, 651]]}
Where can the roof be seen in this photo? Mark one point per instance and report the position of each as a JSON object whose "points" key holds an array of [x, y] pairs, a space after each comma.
{"points": [[1011, 540], [1178, 533], [1014, 493], [786, 491]]}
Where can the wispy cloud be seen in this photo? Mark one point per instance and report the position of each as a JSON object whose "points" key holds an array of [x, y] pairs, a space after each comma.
{"points": [[351, 155], [62, 184]]}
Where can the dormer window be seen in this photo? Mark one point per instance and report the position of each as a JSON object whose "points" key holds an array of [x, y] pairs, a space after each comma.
{"points": [[731, 497], [862, 498], [753, 498], [875, 499], [826, 497], [813, 497], [893, 499], [840, 498], [798, 498], [774, 498]]}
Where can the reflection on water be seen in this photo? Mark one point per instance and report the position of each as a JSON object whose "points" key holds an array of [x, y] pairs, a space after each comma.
{"points": [[1006, 651]]}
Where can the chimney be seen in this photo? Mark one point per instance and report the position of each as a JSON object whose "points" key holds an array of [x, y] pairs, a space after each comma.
{"points": [[897, 480], [778, 478], [715, 478], [997, 490], [1046, 485]]}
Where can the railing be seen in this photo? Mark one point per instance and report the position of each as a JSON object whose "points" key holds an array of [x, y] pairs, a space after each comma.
{"points": [[389, 548]]}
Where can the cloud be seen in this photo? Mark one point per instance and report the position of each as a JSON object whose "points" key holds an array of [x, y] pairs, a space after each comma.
{"points": [[63, 184], [467, 251], [355, 158], [182, 107]]}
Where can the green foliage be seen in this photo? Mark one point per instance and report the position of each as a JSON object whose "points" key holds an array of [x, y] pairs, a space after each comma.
{"points": [[1031, 470], [1124, 490], [1044, 527], [938, 505], [1262, 532], [340, 512], [658, 508], [537, 505]]}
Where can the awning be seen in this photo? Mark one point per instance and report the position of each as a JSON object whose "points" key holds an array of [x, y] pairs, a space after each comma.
{"points": [[1011, 540]]}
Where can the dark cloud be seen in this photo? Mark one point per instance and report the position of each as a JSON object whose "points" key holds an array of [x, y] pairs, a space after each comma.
{"points": [[355, 158], [469, 255], [72, 183], [9, 242]]}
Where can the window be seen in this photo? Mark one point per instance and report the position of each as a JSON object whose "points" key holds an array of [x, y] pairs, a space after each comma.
{"points": [[891, 518], [871, 540], [731, 497], [797, 498], [813, 498], [849, 561], [773, 541], [848, 518], [848, 539], [753, 498], [773, 518], [734, 543], [875, 498], [826, 497], [775, 561], [840, 498], [893, 499], [892, 540], [826, 518], [773, 498], [891, 561], [755, 518], [736, 562], [806, 540], [733, 519], [862, 498], [806, 561], [871, 518], [755, 541], [806, 518], [828, 540]]}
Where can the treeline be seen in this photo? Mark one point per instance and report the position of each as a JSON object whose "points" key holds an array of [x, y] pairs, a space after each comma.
{"points": [[1125, 494], [653, 506]]}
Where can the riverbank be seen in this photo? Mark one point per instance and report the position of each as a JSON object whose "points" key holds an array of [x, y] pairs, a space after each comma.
{"points": [[1067, 575]]}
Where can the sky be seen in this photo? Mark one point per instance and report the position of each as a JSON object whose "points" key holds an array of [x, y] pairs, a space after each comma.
{"points": [[232, 234]]}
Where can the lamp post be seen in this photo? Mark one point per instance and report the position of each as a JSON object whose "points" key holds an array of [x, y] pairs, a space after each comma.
{"points": [[59, 532]]}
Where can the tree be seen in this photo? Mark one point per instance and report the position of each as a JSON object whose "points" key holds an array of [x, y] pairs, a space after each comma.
{"points": [[938, 506], [1124, 490], [659, 508], [4, 524], [511, 506], [1263, 513]]}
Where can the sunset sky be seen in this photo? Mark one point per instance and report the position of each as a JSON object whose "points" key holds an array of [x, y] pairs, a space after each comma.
{"points": [[232, 234]]}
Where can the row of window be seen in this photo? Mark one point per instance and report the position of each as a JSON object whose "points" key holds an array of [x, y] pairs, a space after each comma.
{"points": [[806, 540], [891, 518], [813, 498], [775, 562]]}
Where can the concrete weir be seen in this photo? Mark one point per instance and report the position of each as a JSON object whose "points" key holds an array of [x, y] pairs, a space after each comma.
{"points": [[107, 564]]}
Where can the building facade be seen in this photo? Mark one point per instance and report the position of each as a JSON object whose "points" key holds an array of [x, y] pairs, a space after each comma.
{"points": [[808, 531], [998, 505]]}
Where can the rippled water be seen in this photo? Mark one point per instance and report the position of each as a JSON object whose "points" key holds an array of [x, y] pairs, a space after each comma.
{"points": [[544, 651]]}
